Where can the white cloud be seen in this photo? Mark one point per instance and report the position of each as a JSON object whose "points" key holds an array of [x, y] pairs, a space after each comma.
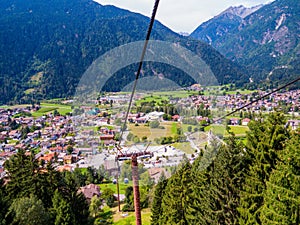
{"points": [[181, 15]]}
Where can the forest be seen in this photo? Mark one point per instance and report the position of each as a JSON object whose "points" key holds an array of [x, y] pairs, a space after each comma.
{"points": [[51, 45], [252, 183], [35, 194]]}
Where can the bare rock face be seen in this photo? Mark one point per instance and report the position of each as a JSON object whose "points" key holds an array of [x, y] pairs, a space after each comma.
{"points": [[223, 24], [241, 10]]}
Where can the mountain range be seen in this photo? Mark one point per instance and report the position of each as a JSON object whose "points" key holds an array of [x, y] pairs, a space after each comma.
{"points": [[46, 45], [222, 24], [264, 38]]}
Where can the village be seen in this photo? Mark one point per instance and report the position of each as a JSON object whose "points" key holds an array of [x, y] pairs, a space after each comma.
{"points": [[70, 142]]}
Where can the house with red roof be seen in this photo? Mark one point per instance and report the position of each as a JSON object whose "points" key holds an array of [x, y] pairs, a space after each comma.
{"points": [[245, 121]]}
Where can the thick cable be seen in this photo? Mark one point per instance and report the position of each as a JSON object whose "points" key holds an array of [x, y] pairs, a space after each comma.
{"points": [[140, 66]]}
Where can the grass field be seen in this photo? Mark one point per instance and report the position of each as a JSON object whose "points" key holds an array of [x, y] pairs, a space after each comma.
{"points": [[29, 91], [130, 219], [243, 92], [199, 139], [14, 106], [152, 133], [184, 146], [237, 130], [12, 141], [157, 99], [45, 108], [93, 128], [50, 107], [174, 128], [122, 186], [207, 91], [185, 127], [216, 129], [140, 130], [172, 94], [170, 128], [113, 216]]}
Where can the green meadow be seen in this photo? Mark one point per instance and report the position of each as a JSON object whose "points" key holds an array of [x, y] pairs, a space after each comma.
{"points": [[220, 129], [122, 186], [50, 107], [130, 219]]}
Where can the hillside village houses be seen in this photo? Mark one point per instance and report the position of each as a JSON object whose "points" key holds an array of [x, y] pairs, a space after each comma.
{"points": [[62, 138], [234, 101], [143, 118]]}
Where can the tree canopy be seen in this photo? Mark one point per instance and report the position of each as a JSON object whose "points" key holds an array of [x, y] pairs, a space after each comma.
{"points": [[251, 182]]}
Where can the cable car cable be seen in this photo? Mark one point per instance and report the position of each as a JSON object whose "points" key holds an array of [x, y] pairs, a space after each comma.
{"points": [[140, 66], [260, 98]]}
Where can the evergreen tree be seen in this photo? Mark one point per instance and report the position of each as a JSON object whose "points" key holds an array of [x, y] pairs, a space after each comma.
{"points": [[80, 178], [146, 181], [77, 201], [129, 203], [156, 208], [24, 176], [27, 177], [177, 198], [3, 204], [144, 197], [49, 181], [228, 183], [282, 194], [264, 141], [29, 211], [227, 174], [199, 201], [62, 210]]}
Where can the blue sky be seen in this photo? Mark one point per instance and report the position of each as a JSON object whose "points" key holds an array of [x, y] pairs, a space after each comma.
{"points": [[181, 16]]}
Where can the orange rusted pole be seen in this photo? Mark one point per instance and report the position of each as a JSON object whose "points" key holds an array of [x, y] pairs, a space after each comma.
{"points": [[136, 191]]}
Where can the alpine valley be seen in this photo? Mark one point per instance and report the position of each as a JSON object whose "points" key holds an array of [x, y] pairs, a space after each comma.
{"points": [[46, 46]]}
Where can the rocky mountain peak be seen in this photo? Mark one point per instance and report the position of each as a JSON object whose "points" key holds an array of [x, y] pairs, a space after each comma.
{"points": [[241, 10]]}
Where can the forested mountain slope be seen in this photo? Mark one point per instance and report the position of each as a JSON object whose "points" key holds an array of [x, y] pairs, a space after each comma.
{"points": [[224, 23], [267, 40], [45, 46]]}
